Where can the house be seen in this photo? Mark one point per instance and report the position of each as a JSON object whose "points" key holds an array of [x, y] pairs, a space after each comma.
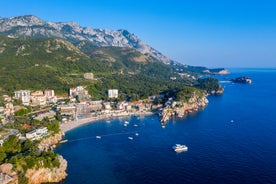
{"points": [[23, 96], [128, 107], [120, 105], [37, 133], [6, 98], [107, 105], [88, 76], [113, 93]]}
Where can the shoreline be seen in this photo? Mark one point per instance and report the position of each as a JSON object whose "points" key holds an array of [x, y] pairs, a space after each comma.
{"points": [[70, 125]]}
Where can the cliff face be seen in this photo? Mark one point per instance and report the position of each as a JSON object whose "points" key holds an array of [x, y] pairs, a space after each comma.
{"points": [[48, 175], [49, 143], [182, 109]]}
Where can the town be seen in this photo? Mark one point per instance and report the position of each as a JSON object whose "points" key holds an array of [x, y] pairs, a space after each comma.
{"points": [[40, 105]]}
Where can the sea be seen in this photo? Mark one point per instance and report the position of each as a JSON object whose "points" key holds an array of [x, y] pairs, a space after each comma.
{"points": [[232, 140]]}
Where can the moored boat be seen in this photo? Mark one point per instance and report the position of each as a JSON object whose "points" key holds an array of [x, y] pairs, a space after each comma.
{"points": [[179, 148]]}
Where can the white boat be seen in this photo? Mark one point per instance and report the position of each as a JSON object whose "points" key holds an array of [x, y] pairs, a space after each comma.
{"points": [[136, 134], [179, 148], [125, 125], [135, 125], [163, 126], [98, 137], [126, 122], [130, 138]]}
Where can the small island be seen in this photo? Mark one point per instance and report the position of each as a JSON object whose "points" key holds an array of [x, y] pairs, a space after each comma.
{"points": [[243, 80]]}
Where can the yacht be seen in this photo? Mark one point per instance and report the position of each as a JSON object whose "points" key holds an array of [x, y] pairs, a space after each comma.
{"points": [[130, 138], [179, 148], [98, 137], [136, 134]]}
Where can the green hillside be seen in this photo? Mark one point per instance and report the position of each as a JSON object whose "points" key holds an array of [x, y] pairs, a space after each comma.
{"points": [[57, 64]]}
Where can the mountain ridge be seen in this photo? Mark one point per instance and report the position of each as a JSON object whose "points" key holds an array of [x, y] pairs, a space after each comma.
{"points": [[33, 26]]}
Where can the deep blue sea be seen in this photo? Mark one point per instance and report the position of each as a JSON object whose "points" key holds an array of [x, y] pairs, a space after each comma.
{"points": [[233, 140]]}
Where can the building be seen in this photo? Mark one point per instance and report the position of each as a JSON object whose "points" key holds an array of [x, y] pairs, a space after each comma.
{"points": [[50, 96], [49, 93], [23, 96], [6, 98], [37, 133], [38, 98], [67, 110], [79, 93], [89, 76], [113, 93]]}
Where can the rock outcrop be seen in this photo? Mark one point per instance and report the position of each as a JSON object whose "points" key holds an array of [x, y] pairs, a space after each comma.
{"points": [[49, 143], [181, 109], [48, 175], [242, 80], [7, 175]]}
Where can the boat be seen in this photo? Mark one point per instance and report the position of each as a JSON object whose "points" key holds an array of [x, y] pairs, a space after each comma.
{"points": [[126, 122], [130, 138], [136, 134], [163, 126], [125, 125], [135, 125], [179, 148], [98, 137]]}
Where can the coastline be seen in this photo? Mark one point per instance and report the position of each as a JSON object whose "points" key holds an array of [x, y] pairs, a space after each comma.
{"points": [[70, 125]]}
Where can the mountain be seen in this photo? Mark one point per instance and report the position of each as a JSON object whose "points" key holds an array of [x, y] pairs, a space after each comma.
{"points": [[32, 26]]}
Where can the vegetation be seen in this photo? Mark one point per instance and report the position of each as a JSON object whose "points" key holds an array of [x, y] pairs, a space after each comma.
{"points": [[25, 154], [209, 84], [40, 63]]}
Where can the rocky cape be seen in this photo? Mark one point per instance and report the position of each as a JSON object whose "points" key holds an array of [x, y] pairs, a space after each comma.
{"points": [[181, 109], [42, 175]]}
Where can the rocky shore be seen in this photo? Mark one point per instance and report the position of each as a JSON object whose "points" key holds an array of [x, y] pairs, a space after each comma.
{"points": [[46, 175], [181, 109], [41, 175], [49, 143]]}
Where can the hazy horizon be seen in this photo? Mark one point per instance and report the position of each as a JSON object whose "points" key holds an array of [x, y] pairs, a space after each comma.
{"points": [[230, 34]]}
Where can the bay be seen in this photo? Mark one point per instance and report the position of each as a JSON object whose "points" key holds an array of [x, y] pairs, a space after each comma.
{"points": [[231, 141]]}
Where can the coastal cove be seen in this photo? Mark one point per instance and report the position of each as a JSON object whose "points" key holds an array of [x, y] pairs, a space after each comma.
{"points": [[230, 141]]}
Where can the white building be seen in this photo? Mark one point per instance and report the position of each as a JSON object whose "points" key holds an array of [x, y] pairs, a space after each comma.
{"points": [[113, 93], [50, 96], [37, 133], [23, 96]]}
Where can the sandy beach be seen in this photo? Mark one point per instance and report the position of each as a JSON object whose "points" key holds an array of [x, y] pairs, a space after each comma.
{"points": [[69, 125]]}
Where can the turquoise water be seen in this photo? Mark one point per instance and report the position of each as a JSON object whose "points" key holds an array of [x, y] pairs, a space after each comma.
{"points": [[220, 150]]}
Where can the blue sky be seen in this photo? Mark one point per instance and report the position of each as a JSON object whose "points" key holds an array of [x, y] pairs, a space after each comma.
{"points": [[213, 33]]}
